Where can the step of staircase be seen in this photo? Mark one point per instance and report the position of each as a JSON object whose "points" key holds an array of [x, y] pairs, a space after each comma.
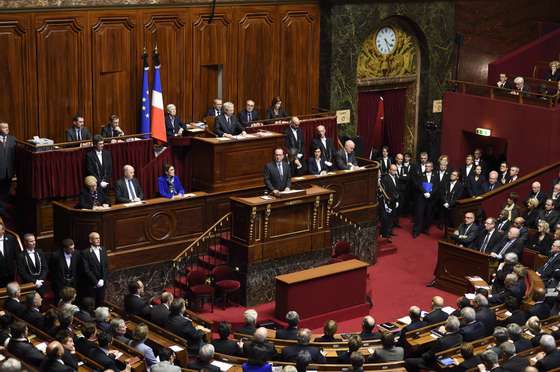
{"points": [[210, 261], [219, 250]]}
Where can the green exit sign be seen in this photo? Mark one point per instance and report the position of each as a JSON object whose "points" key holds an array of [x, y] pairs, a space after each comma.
{"points": [[483, 132]]}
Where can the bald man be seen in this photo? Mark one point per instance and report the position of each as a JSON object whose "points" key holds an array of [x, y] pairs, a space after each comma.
{"points": [[294, 137], [127, 189], [345, 159], [325, 144], [537, 193], [54, 363], [437, 314], [249, 116], [94, 269]]}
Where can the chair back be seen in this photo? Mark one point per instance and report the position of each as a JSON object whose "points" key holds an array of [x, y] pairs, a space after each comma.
{"points": [[196, 277], [222, 272]]}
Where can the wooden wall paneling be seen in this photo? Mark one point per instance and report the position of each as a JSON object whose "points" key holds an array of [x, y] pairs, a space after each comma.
{"points": [[213, 44], [14, 75], [114, 69], [169, 30], [64, 71], [299, 53], [257, 55]]}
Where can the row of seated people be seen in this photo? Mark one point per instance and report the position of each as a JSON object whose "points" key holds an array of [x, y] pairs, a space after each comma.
{"points": [[520, 87]]}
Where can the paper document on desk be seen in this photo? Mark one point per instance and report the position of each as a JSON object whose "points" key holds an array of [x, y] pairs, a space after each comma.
{"points": [[265, 133], [132, 204], [405, 320], [448, 309], [469, 296], [288, 192], [298, 178], [176, 348], [266, 197], [189, 195], [221, 365], [223, 139], [42, 347], [195, 130]]}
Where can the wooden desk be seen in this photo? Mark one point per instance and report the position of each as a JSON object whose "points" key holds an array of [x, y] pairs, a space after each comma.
{"points": [[221, 164], [321, 290]]}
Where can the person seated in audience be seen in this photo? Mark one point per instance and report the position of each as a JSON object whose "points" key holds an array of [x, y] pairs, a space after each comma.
{"points": [[357, 361], [259, 347], [472, 328], [92, 197], [500, 335], [160, 312], [537, 193], [67, 298], [329, 330], [490, 361], [416, 322], [183, 327], [290, 353], [532, 213], [489, 237], [534, 330], [467, 232], [53, 361], [102, 318], [541, 241], [503, 174], [549, 358], [303, 360], [112, 128], [133, 302], [513, 174], [250, 317], [556, 196], [32, 265], [277, 176], [504, 82], [173, 125], [511, 207], [138, 343], [87, 310], [520, 88], [291, 332], [127, 189], [484, 313], [470, 360], [216, 109], [6, 321], [276, 109], [325, 144], [345, 158], [512, 288], [553, 263], [475, 184], [77, 132], [227, 125], [67, 340], [437, 314], [389, 352], [554, 73], [519, 222], [368, 326], [102, 352], [21, 348], [492, 183], [118, 330], [50, 322], [520, 343], [514, 308], [316, 165], [540, 308], [224, 345], [32, 314], [11, 365], [502, 222], [12, 304], [256, 360], [249, 117], [66, 318], [166, 360], [510, 244], [549, 214], [86, 343], [297, 166]]}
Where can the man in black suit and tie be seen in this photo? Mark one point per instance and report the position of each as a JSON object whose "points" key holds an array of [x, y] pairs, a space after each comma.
{"points": [[290, 353], [99, 163], [77, 132], [467, 232], [403, 184], [536, 193], [13, 303], [385, 160], [20, 346], [503, 223], [127, 189], [64, 268], [467, 170], [258, 348], [160, 312], [472, 328], [437, 314], [426, 191], [477, 160], [550, 358], [547, 270], [489, 238], [294, 137], [249, 117], [173, 125], [182, 326], [7, 159], [291, 332], [94, 269], [32, 265], [112, 128], [216, 109], [549, 214], [416, 322], [510, 243], [227, 124], [133, 302], [345, 159], [277, 176], [325, 144], [390, 201], [32, 314], [450, 192], [418, 169], [492, 183], [8, 253], [102, 354], [504, 82]]}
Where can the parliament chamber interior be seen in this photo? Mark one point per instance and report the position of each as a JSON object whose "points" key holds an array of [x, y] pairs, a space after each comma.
{"points": [[279, 185]]}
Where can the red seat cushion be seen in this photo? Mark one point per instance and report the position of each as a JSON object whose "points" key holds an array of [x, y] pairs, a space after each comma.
{"points": [[201, 290], [228, 285]]}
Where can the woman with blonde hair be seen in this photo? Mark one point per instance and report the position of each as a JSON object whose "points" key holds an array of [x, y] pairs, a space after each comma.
{"points": [[92, 197], [541, 241]]}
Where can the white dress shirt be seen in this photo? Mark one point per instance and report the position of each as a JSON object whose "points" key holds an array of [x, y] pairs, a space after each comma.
{"points": [[99, 156]]}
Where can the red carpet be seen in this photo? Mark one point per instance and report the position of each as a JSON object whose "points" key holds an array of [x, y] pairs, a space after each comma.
{"points": [[396, 281]]}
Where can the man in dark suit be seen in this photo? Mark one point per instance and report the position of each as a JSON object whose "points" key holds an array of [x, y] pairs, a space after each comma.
{"points": [[13, 304], [550, 359], [77, 132], [477, 160], [389, 201], [173, 125], [99, 163], [510, 243], [182, 326], [512, 362], [204, 360], [540, 308], [520, 88], [224, 345], [293, 135], [484, 313], [426, 191], [21, 348], [549, 214], [227, 124], [127, 189], [547, 270], [290, 353], [94, 269], [32, 265], [489, 238], [403, 182], [250, 316], [7, 159], [368, 326], [437, 314], [8, 253], [216, 109], [160, 312], [54, 363], [133, 302], [537, 193], [86, 343], [467, 232], [249, 115], [415, 322], [101, 353], [492, 183], [420, 167], [450, 192], [385, 160], [112, 128], [472, 328], [259, 348], [325, 144], [64, 267], [32, 314], [503, 223], [467, 170], [504, 82], [291, 332], [345, 159], [277, 175]]}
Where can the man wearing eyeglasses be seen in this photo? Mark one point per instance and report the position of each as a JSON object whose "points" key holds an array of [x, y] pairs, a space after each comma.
{"points": [[249, 116]]}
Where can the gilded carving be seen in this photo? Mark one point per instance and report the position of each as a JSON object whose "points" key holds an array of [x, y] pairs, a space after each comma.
{"points": [[329, 207], [252, 223], [266, 217], [315, 211]]}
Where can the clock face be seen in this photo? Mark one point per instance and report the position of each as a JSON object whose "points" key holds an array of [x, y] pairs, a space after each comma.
{"points": [[386, 40]]}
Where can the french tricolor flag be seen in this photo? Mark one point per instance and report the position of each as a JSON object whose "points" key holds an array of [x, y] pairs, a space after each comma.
{"points": [[157, 115]]}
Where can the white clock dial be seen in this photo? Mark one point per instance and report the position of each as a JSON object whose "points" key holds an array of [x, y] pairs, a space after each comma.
{"points": [[386, 40]]}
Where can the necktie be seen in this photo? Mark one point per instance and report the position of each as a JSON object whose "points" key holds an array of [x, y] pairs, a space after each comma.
{"points": [[280, 169], [485, 243], [131, 190], [79, 134], [249, 117], [506, 246]]}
